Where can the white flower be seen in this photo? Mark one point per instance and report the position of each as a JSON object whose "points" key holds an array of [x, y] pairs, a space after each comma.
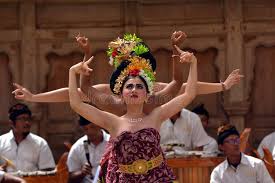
{"points": [[111, 60], [148, 80]]}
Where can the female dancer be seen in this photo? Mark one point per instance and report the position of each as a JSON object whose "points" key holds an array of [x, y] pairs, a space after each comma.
{"points": [[136, 154]]}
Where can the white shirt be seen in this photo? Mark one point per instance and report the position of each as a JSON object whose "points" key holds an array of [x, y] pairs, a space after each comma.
{"points": [[1, 175], [77, 157], [250, 170], [31, 154], [212, 146], [268, 142], [186, 130]]}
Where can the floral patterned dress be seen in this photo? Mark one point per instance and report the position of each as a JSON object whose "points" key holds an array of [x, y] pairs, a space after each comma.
{"points": [[129, 147]]}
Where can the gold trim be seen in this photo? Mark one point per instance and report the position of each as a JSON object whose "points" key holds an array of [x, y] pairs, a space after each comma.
{"points": [[141, 166]]}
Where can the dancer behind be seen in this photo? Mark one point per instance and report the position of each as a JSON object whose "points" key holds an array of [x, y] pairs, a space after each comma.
{"points": [[238, 167], [101, 93], [136, 151]]}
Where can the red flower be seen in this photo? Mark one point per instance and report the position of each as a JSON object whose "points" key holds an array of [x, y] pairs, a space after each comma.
{"points": [[134, 72], [114, 53]]}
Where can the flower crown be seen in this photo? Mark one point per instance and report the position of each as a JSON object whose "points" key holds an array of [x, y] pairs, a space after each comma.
{"points": [[121, 49], [137, 67]]}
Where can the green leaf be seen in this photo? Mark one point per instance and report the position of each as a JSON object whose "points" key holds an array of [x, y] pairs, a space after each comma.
{"points": [[140, 49], [116, 63], [110, 51], [132, 37]]}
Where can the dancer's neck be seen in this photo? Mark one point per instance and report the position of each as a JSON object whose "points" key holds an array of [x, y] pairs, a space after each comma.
{"points": [[134, 111]]}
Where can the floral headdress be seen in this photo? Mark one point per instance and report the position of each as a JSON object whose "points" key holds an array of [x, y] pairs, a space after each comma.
{"points": [[134, 66], [122, 49]]}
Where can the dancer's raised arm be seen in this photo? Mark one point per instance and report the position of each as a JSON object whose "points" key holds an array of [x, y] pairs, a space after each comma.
{"points": [[84, 44], [86, 80], [172, 107], [166, 91], [103, 119], [99, 95]]}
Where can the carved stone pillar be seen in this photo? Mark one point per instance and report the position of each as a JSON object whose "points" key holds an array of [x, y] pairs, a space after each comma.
{"points": [[28, 58], [237, 112], [28, 46], [234, 101]]}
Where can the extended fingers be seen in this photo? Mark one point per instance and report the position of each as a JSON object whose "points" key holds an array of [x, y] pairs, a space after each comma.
{"points": [[173, 34], [180, 34], [18, 86], [85, 67], [178, 49], [179, 37], [18, 95], [77, 36], [90, 60], [236, 74], [186, 57], [16, 91]]}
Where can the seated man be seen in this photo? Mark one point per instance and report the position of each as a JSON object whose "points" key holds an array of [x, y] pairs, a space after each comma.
{"points": [[238, 167], [27, 151], [204, 116], [84, 156], [268, 142], [7, 178], [185, 130]]}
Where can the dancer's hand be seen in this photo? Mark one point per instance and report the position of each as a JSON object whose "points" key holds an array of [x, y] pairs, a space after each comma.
{"points": [[185, 57], [83, 67], [83, 43], [233, 78], [178, 37], [4, 166], [22, 93]]}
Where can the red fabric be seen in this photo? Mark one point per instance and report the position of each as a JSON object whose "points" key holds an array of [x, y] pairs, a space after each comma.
{"points": [[129, 147]]}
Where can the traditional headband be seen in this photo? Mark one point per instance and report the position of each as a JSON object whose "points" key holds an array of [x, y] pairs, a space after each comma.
{"points": [[225, 131], [134, 66]]}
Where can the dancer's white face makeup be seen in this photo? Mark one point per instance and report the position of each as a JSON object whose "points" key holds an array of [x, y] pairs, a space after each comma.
{"points": [[134, 91]]}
